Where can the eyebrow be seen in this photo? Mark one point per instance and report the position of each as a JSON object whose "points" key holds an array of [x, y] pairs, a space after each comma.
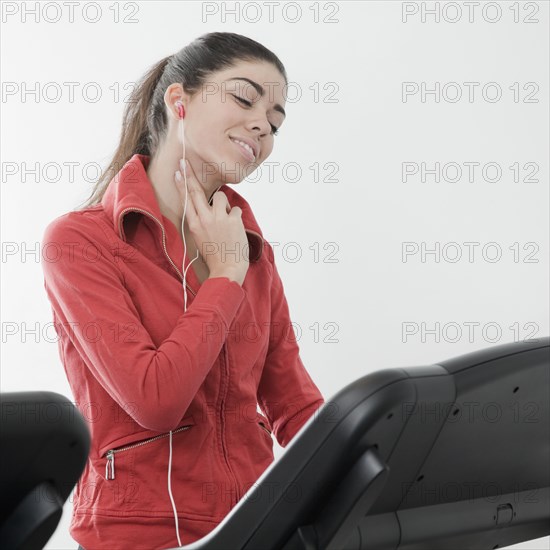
{"points": [[260, 90]]}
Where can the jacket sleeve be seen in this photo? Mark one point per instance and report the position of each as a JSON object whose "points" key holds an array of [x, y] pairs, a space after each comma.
{"points": [[287, 394], [86, 289]]}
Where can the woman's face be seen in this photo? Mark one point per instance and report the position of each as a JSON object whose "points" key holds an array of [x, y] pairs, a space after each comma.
{"points": [[216, 117]]}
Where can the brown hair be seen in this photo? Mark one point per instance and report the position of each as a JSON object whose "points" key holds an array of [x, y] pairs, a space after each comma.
{"points": [[144, 120]]}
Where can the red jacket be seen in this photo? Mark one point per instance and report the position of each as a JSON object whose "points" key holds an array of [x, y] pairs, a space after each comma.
{"points": [[139, 366]]}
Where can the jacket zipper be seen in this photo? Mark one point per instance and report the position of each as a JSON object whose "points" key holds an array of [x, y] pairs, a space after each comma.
{"points": [[264, 428], [237, 493], [110, 454], [133, 209]]}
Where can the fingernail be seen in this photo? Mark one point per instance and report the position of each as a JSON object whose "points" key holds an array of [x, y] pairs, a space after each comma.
{"points": [[183, 164], [178, 175]]}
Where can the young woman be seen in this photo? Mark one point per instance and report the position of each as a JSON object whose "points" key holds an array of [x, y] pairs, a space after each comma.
{"points": [[169, 365]]}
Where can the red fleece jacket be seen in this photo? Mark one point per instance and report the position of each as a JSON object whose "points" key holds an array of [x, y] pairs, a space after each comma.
{"points": [[139, 366]]}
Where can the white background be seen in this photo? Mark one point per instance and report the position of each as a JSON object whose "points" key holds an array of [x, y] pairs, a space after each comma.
{"points": [[360, 124]]}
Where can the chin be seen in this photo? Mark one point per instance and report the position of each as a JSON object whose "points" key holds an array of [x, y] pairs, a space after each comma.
{"points": [[239, 173], [231, 179]]}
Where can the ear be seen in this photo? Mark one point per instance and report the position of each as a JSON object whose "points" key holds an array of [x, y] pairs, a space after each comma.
{"points": [[174, 98]]}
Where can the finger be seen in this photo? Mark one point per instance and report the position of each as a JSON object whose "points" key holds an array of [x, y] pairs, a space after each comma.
{"points": [[195, 189], [220, 202], [236, 212]]}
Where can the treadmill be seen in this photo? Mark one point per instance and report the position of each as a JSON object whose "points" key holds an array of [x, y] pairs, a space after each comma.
{"points": [[454, 455]]}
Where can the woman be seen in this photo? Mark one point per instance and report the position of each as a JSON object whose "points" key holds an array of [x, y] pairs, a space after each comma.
{"points": [[170, 387]]}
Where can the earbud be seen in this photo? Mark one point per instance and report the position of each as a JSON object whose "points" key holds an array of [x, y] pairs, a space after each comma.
{"points": [[181, 109]]}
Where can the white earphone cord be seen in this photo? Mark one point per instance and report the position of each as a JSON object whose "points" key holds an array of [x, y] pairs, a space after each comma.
{"points": [[185, 309]]}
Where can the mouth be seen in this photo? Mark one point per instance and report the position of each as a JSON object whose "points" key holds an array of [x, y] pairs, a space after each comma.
{"points": [[245, 149]]}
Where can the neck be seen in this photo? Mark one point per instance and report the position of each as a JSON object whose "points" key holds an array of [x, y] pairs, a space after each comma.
{"points": [[161, 170]]}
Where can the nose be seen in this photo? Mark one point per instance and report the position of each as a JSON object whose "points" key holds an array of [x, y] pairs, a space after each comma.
{"points": [[260, 125]]}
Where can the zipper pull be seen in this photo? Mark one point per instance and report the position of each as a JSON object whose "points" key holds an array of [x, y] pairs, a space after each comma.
{"points": [[110, 466]]}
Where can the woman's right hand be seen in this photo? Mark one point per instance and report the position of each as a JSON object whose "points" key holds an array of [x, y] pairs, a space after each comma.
{"points": [[217, 230]]}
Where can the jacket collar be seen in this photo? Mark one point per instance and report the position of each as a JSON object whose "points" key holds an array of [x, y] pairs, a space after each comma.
{"points": [[131, 190]]}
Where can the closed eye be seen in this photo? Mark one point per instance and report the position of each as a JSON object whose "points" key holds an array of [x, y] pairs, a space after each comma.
{"points": [[274, 129]]}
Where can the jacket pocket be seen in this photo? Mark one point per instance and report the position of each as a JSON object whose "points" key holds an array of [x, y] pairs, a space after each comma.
{"points": [[111, 454]]}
